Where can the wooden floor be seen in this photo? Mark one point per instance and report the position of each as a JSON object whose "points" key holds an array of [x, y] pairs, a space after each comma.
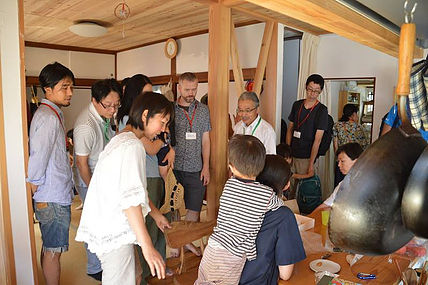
{"points": [[73, 262]]}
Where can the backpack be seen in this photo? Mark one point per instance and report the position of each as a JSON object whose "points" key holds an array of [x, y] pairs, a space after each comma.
{"points": [[326, 137], [309, 194]]}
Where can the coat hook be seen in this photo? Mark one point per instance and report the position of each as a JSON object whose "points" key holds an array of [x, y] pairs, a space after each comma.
{"points": [[408, 15]]}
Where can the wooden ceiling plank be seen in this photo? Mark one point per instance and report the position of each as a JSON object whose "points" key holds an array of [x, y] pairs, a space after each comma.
{"points": [[263, 56], [335, 17]]}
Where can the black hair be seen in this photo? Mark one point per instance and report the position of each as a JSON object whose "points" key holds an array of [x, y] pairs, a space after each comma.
{"points": [[124, 82], [70, 134], [102, 88], [352, 150], [275, 174], [133, 88], [204, 99], [247, 154], [348, 110], [53, 73], [317, 79], [283, 150], [154, 103]]}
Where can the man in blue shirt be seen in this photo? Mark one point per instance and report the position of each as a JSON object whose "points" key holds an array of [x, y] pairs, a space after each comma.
{"points": [[392, 120], [49, 171]]}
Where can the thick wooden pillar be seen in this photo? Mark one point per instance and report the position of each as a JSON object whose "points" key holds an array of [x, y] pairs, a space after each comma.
{"points": [[218, 98]]}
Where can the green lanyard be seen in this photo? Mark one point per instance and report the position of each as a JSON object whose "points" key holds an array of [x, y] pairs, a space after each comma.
{"points": [[106, 125], [255, 128]]}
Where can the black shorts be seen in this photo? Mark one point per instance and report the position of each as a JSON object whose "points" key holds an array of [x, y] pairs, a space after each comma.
{"points": [[194, 189]]}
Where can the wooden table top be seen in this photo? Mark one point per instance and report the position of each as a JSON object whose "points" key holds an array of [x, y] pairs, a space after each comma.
{"points": [[385, 271]]}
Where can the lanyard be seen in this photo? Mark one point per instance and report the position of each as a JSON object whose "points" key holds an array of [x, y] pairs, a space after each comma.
{"points": [[60, 121], [299, 124], [254, 130], [193, 115]]}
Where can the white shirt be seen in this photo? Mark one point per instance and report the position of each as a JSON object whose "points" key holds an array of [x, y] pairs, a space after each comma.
{"points": [[118, 182], [88, 137], [329, 201], [263, 131]]}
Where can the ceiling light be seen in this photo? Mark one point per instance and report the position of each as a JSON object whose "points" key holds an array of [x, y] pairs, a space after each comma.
{"points": [[88, 29]]}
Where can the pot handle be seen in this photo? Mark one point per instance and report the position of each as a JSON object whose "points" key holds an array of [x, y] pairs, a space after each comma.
{"points": [[405, 61]]}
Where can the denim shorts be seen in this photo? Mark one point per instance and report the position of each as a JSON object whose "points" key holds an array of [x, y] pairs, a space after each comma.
{"points": [[54, 220]]}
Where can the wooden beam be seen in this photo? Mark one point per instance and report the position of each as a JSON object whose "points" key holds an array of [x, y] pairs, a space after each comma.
{"points": [[263, 55], [7, 259], [268, 98], [332, 16], [267, 18], [64, 47], [78, 82], [237, 70], [218, 98]]}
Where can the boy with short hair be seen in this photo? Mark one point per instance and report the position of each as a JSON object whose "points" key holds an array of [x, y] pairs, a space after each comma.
{"points": [[243, 205]]}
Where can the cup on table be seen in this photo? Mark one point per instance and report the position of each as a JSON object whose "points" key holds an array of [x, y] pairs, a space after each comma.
{"points": [[325, 216]]}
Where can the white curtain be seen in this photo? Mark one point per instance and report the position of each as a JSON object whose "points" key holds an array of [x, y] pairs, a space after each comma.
{"points": [[308, 61], [308, 64]]}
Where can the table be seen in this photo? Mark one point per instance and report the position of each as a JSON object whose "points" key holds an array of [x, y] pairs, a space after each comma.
{"points": [[386, 272]]}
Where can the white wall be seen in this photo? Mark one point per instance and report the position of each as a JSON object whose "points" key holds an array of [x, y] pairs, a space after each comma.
{"points": [[192, 56], [12, 114], [83, 64], [340, 57]]}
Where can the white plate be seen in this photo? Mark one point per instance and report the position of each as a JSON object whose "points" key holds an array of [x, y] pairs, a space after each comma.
{"points": [[324, 265]]}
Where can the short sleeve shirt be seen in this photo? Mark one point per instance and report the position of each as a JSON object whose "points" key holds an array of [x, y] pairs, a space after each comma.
{"points": [[188, 153], [278, 243], [349, 132], [88, 137], [393, 120], [316, 120], [118, 182], [329, 201]]}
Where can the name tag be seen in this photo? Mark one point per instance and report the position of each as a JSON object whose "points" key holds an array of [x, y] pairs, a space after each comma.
{"points": [[297, 134], [190, 136]]}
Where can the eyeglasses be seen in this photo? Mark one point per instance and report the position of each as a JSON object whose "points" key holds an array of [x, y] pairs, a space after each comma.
{"points": [[310, 90], [245, 111], [115, 107]]}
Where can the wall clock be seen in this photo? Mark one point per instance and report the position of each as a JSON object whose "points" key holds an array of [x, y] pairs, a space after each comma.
{"points": [[171, 48]]}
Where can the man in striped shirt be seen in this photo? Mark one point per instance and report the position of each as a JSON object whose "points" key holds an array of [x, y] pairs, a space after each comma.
{"points": [[243, 205]]}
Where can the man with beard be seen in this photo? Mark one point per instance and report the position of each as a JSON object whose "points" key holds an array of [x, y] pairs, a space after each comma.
{"points": [[192, 150]]}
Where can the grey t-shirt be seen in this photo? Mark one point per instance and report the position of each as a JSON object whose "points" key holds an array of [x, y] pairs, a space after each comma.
{"points": [[188, 153]]}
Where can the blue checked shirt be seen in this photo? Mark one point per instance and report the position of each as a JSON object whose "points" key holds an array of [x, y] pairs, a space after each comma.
{"points": [[48, 165]]}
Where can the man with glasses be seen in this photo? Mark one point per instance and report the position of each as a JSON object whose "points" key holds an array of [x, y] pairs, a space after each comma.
{"points": [[308, 121], [252, 124], [92, 131]]}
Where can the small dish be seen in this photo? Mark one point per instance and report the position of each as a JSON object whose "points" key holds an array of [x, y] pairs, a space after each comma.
{"points": [[324, 265]]}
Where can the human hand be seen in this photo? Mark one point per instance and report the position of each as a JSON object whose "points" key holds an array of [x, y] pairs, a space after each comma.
{"points": [[311, 171], [205, 175], [162, 222], [154, 261], [236, 118], [170, 157]]}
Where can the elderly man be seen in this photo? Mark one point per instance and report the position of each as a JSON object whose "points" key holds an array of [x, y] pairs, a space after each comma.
{"points": [[252, 124], [308, 121], [92, 131], [49, 171], [192, 149]]}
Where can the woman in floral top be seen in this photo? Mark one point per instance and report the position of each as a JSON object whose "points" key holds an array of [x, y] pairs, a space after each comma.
{"points": [[347, 130]]}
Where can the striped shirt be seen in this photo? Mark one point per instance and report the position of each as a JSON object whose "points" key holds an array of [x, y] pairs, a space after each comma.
{"points": [[243, 206]]}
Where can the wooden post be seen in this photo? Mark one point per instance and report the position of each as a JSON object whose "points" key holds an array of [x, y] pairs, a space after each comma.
{"points": [[218, 98], [237, 70], [263, 55], [268, 98]]}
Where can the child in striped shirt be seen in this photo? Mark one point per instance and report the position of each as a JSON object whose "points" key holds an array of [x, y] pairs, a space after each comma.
{"points": [[243, 205]]}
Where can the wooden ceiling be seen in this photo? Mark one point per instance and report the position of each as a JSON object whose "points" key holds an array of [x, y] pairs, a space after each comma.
{"points": [[150, 21], [153, 21]]}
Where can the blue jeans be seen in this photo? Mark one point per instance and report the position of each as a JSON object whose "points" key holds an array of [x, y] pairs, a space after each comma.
{"points": [[94, 264], [54, 221]]}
